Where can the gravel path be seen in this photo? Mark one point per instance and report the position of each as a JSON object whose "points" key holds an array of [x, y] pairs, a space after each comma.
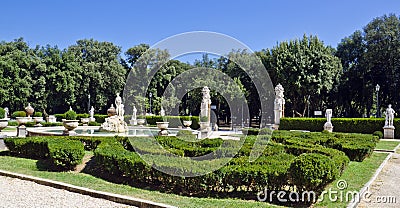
{"points": [[385, 190], [26, 194]]}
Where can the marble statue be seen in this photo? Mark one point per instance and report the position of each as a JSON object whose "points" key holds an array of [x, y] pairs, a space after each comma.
{"points": [[119, 107], [328, 125], [389, 116], [116, 122], [6, 112], [91, 113], [279, 104], [205, 110], [328, 115], [162, 112], [134, 111]]}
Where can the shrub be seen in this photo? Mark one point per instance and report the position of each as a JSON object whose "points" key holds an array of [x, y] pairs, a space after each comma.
{"points": [[37, 114], [174, 121], [100, 118], [345, 125], [47, 124], [82, 115], [312, 171], [94, 123], [203, 118], [70, 115], [34, 148], [59, 117], [18, 114], [12, 123], [379, 134], [356, 146], [65, 154], [2, 113]]}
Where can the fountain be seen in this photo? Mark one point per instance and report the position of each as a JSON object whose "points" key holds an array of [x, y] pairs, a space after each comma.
{"points": [[115, 122]]}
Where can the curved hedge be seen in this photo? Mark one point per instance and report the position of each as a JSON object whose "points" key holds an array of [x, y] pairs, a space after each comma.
{"points": [[272, 169], [62, 153]]}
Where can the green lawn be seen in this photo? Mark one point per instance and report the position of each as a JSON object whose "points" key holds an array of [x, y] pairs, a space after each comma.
{"points": [[387, 145], [356, 175], [29, 167]]}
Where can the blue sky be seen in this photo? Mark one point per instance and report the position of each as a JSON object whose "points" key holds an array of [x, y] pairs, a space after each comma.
{"points": [[258, 24]]}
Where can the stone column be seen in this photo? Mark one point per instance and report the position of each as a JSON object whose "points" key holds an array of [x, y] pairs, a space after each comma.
{"points": [[279, 104]]}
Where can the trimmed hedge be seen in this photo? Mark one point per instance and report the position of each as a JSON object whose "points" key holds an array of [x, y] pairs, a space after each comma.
{"points": [[62, 153], [356, 146], [65, 154], [345, 125], [174, 121], [275, 169]]}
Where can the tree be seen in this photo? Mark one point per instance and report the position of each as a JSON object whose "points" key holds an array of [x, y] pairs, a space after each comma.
{"points": [[352, 103], [95, 67], [16, 64], [369, 58], [308, 70]]}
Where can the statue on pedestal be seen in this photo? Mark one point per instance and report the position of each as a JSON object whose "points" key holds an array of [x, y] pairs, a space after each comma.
{"points": [[328, 125], [389, 116], [388, 129]]}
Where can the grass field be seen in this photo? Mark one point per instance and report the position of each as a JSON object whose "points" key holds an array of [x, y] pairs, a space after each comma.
{"points": [[356, 175]]}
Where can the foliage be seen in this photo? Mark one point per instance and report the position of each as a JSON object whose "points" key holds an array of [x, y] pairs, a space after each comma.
{"points": [[356, 146], [312, 171], [2, 113], [307, 69], [174, 121], [346, 125], [379, 134], [274, 169], [64, 154], [18, 114], [369, 57], [70, 115], [37, 114], [203, 119]]}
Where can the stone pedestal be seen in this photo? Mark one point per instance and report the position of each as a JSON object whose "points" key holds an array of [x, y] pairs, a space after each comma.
{"points": [[21, 131], [328, 126], [388, 132]]}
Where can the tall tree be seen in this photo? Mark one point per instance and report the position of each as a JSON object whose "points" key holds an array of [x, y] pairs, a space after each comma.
{"points": [[308, 70], [98, 73]]}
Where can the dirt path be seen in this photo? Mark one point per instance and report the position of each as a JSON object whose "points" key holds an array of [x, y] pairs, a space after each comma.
{"points": [[385, 190]]}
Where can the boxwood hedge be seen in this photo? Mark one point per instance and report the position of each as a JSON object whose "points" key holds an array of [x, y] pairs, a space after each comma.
{"points": [[345, 125], [295, 160], [63, 154]]}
